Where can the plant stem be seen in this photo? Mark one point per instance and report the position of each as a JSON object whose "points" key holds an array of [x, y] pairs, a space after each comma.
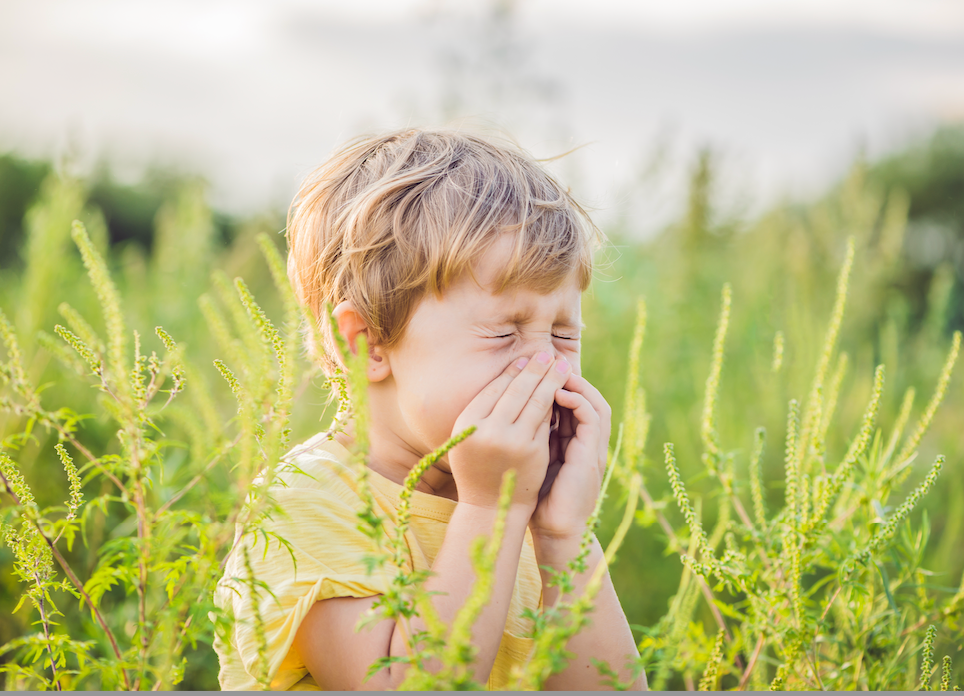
{"points": [[177, 645], [144, 539], [860, 657], [46, 625], [62, 562], [741, 511], [748, 672], [813, 668], [833, 598]]}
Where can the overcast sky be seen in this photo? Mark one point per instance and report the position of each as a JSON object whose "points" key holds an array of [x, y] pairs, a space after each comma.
{"points": [[254, 94]]}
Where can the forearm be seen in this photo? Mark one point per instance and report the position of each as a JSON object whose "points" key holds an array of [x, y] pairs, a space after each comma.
{"points": [[454, 577], [606, 637]]}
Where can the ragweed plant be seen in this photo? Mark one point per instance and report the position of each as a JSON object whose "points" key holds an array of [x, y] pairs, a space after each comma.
{"points": [[825, 592], [128, 469], [169, 546]]}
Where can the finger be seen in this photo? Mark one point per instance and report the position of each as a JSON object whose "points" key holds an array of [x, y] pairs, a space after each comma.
{"points": [[543, 397], [518, 392], [581, 385], [481, 406], [587, 420], [543, 433]]}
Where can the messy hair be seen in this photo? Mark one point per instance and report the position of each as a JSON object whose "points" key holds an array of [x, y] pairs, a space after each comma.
{"points": [[393, 217]]}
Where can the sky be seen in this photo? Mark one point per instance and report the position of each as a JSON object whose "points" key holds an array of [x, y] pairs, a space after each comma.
{"points": [[254, 94]]}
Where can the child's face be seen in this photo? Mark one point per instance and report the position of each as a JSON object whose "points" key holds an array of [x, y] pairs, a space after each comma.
{"points": [[456, 345]]}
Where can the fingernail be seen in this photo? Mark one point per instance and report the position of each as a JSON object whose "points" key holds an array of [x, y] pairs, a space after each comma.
{"points": [[544, 358], [562, 365], [521, 362]]}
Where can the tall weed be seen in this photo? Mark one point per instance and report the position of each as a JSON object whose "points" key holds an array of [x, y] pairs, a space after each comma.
{"points": [[125, 488]]}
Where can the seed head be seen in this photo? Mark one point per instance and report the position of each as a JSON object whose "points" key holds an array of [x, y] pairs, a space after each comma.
{"points": [[777, 352], [708, 430], [856, 450], [96, 366], [925, 420], [756, 478], [682, 500], [927, 663], [887, 532], [779, 682], [76, 492], [710, 675], [109, 301], [790, 462]]}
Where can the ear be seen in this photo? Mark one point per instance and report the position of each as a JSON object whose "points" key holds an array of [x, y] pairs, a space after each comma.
{"points": [[350, 325]]}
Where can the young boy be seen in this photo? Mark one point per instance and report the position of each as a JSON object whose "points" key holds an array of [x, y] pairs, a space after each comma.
{"points": [[462, 263]]}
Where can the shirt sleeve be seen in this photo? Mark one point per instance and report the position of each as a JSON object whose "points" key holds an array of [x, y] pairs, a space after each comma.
{"points": [[323, 557]]}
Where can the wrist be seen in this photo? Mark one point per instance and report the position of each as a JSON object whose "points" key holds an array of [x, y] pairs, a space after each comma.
{"points": [[517, 512], [557, 551], [554, 555]]}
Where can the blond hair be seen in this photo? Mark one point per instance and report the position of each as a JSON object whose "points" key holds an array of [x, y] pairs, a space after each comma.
{"points": [[393, 217]]}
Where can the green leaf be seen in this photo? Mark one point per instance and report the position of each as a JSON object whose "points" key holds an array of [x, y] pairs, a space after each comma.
{"points": [[886, 584]]}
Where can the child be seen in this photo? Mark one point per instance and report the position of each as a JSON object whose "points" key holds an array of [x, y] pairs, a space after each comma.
{"points": [[462, 263]]}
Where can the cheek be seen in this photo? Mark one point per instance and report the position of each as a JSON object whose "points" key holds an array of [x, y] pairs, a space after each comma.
{"points": [[434, 402], [574, 358], [453, 392], [433, 394]]}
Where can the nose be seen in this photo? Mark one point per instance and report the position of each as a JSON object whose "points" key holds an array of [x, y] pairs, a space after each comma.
{"points": [[542, 346]]}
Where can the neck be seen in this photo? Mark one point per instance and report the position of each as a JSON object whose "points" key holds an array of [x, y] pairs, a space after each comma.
{"points": [[392, 457]]}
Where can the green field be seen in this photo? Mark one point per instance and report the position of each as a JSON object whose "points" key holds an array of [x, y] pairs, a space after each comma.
{"points": [[811, 560]]}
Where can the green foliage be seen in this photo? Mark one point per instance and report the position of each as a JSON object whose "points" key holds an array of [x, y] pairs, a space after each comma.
{"points": [[788, 573], [829, 587], [130, 458], [144, 473]]}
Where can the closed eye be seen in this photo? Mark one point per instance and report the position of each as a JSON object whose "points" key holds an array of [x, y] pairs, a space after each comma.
{"points": [[565, 338]]}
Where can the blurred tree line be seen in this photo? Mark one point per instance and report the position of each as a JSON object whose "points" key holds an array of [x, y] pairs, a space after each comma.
{"points": [[930, 173], [129, 210]]}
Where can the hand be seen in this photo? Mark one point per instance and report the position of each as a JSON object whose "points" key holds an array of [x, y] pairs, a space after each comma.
{"points": [[511, 415], [578, 462]]}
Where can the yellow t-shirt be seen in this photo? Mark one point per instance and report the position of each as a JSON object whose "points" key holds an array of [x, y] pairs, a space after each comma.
{"points": [[318, 491]]}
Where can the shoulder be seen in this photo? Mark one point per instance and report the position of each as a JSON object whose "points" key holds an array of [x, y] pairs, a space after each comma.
{"points": [[318, 465], [314, 487], [307, 526]]}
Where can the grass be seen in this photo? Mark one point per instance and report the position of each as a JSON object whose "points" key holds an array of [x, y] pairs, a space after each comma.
{"points": [[771, 485]]}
